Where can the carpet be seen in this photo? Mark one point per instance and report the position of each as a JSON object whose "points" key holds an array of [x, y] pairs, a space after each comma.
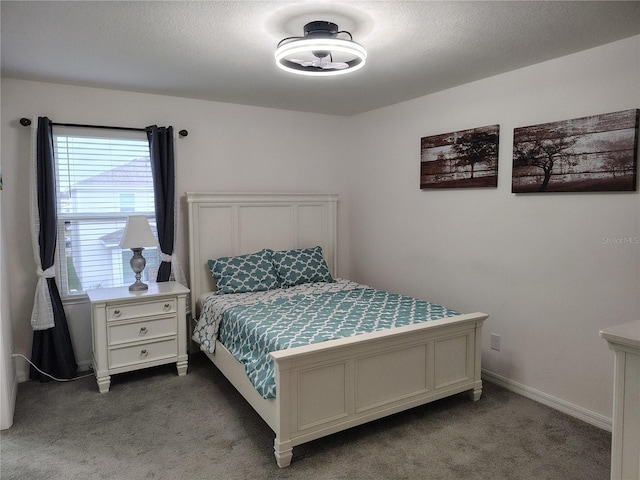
{"points": [[156, 425]]}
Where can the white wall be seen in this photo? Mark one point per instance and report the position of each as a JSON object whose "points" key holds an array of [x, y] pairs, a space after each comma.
{"points": [[536, 263], [229, 148]]}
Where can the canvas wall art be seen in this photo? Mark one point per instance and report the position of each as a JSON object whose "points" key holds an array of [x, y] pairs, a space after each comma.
{"points": [[589, 154], [466, 158]]}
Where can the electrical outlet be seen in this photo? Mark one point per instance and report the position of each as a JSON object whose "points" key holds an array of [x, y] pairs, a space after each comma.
{"points": [[495, 342]]}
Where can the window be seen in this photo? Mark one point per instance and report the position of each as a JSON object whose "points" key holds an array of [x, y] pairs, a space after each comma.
{"points": [[102, 177], [127, 202]]}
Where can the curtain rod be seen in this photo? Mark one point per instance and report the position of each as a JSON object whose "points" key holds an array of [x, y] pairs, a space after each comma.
{"points": [[25, 122]]}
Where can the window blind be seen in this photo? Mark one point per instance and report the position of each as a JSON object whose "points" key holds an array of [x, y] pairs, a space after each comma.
{"points": [[102, 177]]}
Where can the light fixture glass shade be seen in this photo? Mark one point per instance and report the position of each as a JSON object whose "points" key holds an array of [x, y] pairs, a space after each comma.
{"points": [[353, 56], [137, 233]]}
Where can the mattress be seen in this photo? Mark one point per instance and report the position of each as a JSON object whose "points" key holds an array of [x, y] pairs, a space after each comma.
{"points": [[250, 325]]}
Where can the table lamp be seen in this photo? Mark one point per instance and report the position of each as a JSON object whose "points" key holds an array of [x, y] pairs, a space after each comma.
{"points": [[137, 236]]}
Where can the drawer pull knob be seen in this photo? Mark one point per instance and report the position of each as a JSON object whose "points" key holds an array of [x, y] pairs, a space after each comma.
{"points": [[143, 353], [117, 313], [167, 307], [143, 331]]}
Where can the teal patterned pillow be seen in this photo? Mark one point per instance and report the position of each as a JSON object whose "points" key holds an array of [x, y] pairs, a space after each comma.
{"points": [[244, 273], [303, 265]]}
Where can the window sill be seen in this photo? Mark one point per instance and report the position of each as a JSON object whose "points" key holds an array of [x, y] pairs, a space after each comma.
{"points": [[75, 300]]}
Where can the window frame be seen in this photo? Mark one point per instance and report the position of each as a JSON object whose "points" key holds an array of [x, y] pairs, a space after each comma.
{"points": [[117, 215]]}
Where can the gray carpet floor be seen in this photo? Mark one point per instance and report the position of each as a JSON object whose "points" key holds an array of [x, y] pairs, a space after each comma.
{"points": [[156, 425]]}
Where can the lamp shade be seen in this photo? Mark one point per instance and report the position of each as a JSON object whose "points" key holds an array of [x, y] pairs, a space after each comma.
{"points": [[137, 233]]}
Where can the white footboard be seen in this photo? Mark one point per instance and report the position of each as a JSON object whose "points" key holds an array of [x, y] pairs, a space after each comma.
{"points": [[335, 385]]}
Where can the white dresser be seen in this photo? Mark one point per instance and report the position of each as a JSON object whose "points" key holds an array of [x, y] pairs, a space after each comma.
{"points": [[134, 330], [624, 340]]}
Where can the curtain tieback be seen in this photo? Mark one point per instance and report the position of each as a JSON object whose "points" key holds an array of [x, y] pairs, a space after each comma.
{"points": [[176, 274], [48, 273], [42, 314], [167, 258]]}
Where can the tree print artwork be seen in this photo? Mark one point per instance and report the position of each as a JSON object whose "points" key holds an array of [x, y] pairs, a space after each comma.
{"points": [[467, 158], [589, 154]]}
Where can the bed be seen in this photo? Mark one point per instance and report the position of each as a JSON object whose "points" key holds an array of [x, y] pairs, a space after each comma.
{"points": [[336, 384]]}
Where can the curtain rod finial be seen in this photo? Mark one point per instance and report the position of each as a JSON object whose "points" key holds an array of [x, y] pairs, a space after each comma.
{"points": [[25, 122], [183, 133]]}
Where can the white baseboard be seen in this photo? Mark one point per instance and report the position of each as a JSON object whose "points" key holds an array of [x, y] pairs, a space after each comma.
{"points": [[85, 366], [22, 370], [580, 413]]}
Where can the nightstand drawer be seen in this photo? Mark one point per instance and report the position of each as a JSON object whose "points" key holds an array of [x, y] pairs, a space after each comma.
{"points": [[142, 330], [140, 309], [142, 353]]}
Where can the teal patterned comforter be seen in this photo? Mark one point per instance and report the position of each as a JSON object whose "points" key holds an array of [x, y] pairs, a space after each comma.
{"points": [[250, 325]]}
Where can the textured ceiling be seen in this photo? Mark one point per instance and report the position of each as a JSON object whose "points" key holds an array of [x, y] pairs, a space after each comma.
{"points": [[223, 50]]}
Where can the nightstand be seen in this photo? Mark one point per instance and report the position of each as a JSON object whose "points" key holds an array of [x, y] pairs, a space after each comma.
{"points": [[134, 330]]}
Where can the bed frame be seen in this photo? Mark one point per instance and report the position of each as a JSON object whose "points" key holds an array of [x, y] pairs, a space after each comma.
{"points": [[334, 385]]}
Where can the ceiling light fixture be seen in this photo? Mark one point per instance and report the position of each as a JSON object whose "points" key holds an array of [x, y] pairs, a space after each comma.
{"points": [[320, 52]]}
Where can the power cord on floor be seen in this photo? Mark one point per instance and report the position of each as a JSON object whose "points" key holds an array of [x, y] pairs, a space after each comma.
{"points": [[50, 376]]}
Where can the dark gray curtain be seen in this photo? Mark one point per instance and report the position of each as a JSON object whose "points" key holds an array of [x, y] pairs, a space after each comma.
{"points": [[163, 171], [52, 351]]}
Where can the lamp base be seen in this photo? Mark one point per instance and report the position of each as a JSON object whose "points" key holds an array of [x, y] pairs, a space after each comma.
{"points": [[137, 265], [138, 286]]}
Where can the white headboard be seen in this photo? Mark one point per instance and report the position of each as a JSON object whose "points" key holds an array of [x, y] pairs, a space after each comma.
{"points": [[227, 224]]}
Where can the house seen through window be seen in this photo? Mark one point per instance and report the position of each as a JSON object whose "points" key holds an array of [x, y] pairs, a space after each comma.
{"points": [[102, 177]]}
